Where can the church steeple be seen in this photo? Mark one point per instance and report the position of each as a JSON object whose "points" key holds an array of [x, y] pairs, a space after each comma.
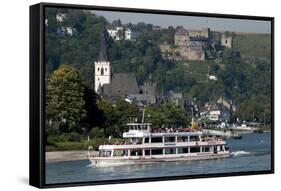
{"points": [[103, 48], [102, 69]]}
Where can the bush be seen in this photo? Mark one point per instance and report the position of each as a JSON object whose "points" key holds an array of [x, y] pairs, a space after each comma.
{"points": [[96, 132], [71, 137], [51, 139], [64, 146], [74, 137]]}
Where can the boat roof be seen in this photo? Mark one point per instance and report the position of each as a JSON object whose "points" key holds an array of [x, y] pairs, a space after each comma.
{"points": [[134, 124], [195, 133]]}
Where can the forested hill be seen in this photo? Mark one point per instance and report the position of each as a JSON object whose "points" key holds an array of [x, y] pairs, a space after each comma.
{"points": [[81, 49], [253, 45], [75, 41]]}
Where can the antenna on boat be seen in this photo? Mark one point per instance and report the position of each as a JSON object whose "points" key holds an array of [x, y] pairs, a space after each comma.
{"points": [[143, 112]]}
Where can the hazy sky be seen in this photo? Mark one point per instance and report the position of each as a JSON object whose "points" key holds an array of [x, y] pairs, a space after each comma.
{"points": [[190, 22]]}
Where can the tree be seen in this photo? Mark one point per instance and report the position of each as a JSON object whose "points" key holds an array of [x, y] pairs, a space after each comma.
{"points": [[64, 98], [257, 108], [168, 115]]}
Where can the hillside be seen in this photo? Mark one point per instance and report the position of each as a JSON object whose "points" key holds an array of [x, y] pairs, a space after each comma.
{"points": [[253, 45]]}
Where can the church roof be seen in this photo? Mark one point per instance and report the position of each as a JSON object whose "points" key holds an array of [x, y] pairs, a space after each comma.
{"points": [[181, 31], [103, 51], [121, 84]]}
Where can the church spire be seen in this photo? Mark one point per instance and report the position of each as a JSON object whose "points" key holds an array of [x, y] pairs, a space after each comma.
{"points": [[103, 51]]}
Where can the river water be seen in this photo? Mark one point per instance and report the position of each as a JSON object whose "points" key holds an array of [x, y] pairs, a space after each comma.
{"points": [[251, 153]]}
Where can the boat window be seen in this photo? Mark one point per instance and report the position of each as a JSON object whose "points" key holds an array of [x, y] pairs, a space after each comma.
{"points": [[182, 139], [146, 140], [170, 139], [220, 148], [136, 141], [157, 151], [170, 151], [147, 152], [119, 153], [194, 150], [105, 153], [156, 139], [136, 152], [182, 150], [205, 149], [194, 138]]}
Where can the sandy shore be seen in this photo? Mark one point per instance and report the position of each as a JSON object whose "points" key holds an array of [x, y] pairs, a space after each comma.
{"points": [[58, 156]]}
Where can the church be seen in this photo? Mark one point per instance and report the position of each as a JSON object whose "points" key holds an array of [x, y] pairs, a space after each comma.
{"points": [[113, 86]]}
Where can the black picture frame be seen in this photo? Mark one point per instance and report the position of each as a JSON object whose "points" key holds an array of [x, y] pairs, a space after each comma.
{"points": [[37, 94]]}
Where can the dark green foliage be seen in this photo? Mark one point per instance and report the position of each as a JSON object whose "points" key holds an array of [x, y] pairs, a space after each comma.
{"points": [[96, 132], [167, 115], [116, 117], [64, 98], [257, 108], [74, 137]]}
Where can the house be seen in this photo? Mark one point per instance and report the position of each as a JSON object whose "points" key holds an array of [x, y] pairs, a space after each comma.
{"points": [[131, 34], [216, 112], [62, 31], [150, 90], [221, 111], [176, 98], [118, 32], [60, 17], [140, 100], [213, 77]]}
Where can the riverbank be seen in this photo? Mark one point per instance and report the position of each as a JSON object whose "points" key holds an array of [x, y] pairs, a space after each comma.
{"points": [[60, 156]]}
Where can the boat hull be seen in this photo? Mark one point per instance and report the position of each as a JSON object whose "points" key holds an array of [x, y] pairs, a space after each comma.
{"points": [[114, 161]]}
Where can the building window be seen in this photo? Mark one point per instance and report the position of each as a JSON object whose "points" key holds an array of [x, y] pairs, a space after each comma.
{"points": [[102, 72], [98, 69], [225, 41], [105, 69]]}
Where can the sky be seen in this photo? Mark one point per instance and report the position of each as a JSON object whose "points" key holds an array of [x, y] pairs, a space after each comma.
{"points": [[190, 22]]}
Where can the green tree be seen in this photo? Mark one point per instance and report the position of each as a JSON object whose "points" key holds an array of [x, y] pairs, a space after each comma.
{"points": [[167, 115], [64, 98]]}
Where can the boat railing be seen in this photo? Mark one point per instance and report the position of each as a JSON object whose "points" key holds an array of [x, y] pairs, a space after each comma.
{"points": [[123, 142], [173, 130], [209, 138]]}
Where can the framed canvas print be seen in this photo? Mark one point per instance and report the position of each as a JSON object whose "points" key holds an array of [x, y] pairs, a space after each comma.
{"points": [[127, 95]]}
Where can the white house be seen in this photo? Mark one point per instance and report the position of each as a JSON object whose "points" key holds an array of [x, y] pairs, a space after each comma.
{"points": [[131, 35], [116, 33], [60, 17], [213, 77]]}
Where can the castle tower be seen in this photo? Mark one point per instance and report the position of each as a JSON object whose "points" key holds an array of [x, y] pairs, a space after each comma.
{"points": [[102, 71]]}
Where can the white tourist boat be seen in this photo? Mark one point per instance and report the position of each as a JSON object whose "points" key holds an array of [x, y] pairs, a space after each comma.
{"points": [[145, 145]]}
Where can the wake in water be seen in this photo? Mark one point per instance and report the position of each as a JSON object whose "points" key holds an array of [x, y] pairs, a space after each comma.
{"points": [[90, 165], [239, 153]]}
